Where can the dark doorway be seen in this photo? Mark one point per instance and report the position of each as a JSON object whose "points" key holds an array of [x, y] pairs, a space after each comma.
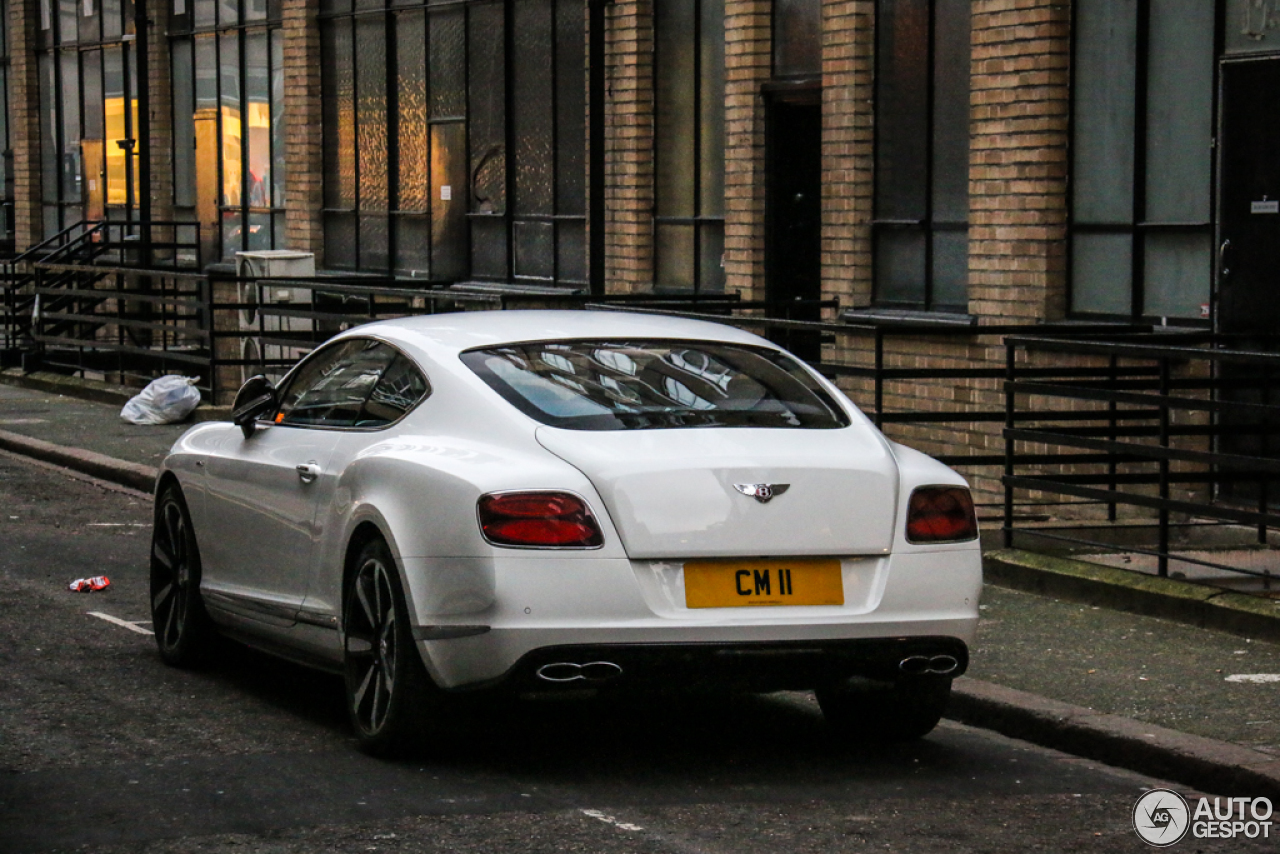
{"points": [[793, 214], [1249, 258], [1249, 269]]}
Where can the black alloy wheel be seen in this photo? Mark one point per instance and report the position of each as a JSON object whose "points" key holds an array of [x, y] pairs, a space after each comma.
{"points": [[181, 625], [387, 685]]}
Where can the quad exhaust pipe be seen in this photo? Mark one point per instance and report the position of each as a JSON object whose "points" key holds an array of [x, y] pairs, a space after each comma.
{"points": [[937, 665], [565, 672]]}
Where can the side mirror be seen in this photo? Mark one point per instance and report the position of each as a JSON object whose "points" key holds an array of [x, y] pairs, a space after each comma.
{"points": [[255, 397]]}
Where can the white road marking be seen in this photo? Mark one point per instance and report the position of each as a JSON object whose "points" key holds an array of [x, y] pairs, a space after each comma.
{"points": [[608, 819], [124, 624], [1254, 677]]}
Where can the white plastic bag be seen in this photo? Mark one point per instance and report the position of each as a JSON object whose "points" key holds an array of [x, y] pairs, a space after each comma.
{"points": [[163, 401]]}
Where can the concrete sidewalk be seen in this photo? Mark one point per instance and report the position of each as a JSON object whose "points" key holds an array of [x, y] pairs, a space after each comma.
{"points": [[1165, 677]]}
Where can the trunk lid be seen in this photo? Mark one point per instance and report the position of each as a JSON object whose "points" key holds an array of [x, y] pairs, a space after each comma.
{"points": [[676, 493]]}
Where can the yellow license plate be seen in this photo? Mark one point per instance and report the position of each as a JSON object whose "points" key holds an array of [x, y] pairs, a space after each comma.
{"points": [[742, 583]]}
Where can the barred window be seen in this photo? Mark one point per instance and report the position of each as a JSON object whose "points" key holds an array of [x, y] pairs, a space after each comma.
{"points": [[920, 229], [89, 129], [689, 145], [448, 155], [1142, 158], [228, 114]]}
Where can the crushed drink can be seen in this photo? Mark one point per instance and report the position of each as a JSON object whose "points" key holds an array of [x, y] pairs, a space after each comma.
{"points": [[89, 585]]}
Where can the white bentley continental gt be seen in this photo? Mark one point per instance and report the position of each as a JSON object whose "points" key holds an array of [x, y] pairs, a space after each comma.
{"points": [[520, 502]]}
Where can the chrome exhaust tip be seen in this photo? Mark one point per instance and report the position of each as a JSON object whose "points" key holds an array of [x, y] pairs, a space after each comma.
{"points": [[937, 665], [565, 672]]}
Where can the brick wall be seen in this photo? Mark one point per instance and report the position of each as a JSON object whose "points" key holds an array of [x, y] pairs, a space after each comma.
{"points": [[848, 65], [748, 64], [304, 141], [24, 120], [160, 101], [1018, 160], [629, 146]]}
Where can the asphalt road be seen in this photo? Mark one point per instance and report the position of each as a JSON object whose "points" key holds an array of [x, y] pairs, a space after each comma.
{"points": [[105, 749]]}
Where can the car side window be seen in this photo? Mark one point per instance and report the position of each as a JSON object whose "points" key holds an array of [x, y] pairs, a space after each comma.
{"points": [[401, 387], [332, 387]]}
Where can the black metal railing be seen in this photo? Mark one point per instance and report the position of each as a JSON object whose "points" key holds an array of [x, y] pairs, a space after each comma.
{"points": [[1181, 429]]}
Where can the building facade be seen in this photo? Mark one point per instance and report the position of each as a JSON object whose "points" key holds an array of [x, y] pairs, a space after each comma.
{"points": [[992, 161]]}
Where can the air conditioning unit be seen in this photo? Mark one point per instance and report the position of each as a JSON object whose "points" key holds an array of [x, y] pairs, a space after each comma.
{"points": [[272, 264]]}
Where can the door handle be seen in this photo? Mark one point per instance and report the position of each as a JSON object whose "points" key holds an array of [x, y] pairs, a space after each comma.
{"points": [[308, 472], [1222, 257]]}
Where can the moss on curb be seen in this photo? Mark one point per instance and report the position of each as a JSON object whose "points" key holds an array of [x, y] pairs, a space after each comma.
{"points": [[1094, 584]]}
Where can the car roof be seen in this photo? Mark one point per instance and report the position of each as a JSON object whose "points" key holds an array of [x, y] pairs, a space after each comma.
{"points": [[465, 330]]}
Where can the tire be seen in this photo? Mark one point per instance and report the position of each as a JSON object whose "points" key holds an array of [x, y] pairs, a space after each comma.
{"points": [[866, 711], [389, 693], [184, 633]]}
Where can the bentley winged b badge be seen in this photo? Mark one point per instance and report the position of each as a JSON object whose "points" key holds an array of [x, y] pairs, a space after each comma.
{"points": [[762, 492]]}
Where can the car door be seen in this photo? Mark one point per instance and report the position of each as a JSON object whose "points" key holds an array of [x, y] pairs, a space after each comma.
{"points": [[264, 490]]}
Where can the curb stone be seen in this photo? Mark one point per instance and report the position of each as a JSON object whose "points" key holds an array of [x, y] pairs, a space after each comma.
{"points": [[133, 475], [1125, 590], [1202, 763]]}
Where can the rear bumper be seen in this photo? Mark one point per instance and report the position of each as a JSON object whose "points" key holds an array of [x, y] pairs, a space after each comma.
{"points": [[735, 666]]}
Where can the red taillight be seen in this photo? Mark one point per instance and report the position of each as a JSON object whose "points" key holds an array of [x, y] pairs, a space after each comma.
{"points": [[941, 514], [539, 519]]}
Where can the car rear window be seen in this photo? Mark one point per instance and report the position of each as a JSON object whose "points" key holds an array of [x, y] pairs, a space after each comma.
{"points": [[647, 385]]}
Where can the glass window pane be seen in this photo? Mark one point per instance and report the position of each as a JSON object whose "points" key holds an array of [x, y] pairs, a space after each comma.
{"points": [[487, 104], [1177, 274], [204, 11], [114, 102], [489, 247], [535, 250], [711, 258], [184, 129], [673, 251], [675, 96], [711, 111], [49, 130], [797, 37], [375, 241], [571, 251], [340, 241], [902, 109], [371, 118], [532, 119], [68, 22], [951, 113], [448, 63], [899, 267], [411, 104], [230, 118], [950, 286], [1102, 273], [278, 159], [70, 171], [339, 115], [571, 110], [257, 106], [112, 19], [1105, 70], [413, 245], [1180, 111]]}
